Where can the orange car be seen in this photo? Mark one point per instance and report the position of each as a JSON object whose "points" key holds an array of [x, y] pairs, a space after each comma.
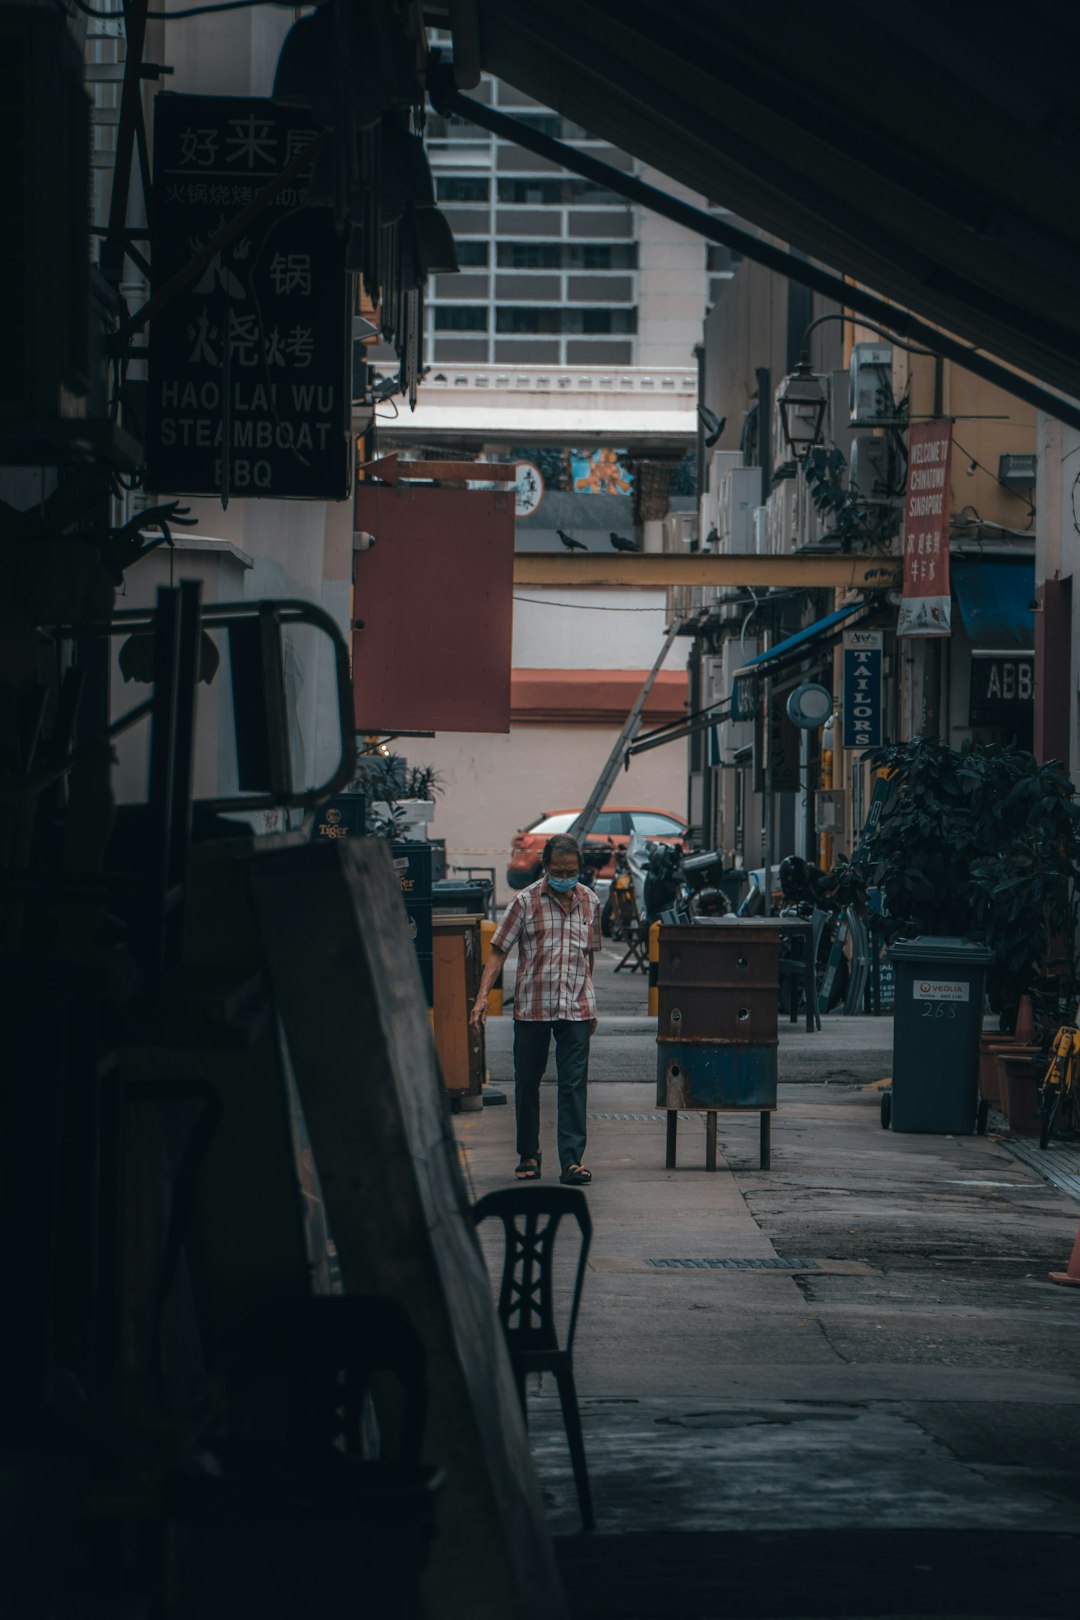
{"points": [[612, 827]]}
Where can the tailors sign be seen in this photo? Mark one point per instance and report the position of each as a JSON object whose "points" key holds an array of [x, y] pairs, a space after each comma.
{"points": [[861, 691]]}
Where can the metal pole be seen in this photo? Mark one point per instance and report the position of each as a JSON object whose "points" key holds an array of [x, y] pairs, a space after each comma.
{"points": [[583, 825], [768, 807]]}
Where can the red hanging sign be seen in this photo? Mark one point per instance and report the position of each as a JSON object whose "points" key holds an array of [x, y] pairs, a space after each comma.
{"points": [[926, 605]]}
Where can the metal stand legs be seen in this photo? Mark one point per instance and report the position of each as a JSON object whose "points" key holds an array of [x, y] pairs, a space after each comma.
{"points": [[764, 1139]]}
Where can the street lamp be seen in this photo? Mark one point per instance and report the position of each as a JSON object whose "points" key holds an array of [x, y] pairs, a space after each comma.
{"points": [[801, 402]]}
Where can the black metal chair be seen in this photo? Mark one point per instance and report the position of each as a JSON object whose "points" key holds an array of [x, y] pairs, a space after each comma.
{"points": [[801, 968], [530, 1217]]}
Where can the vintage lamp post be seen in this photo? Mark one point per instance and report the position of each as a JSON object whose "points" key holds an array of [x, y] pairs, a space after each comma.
{"points": [[801, 402]]}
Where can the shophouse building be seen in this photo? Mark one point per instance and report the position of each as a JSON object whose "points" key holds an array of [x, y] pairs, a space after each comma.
{"points": [[759, 784]]}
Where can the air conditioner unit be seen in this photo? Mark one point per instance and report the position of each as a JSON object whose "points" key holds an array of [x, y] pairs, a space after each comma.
{"points": [[870, 398], [869, 478], [737, 498], [719, 462], [712, 679], [808, 521], [780, 518], [679, 531]]}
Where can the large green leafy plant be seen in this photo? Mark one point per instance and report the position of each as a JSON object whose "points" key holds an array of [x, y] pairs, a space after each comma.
{"points": [[983, 842]]}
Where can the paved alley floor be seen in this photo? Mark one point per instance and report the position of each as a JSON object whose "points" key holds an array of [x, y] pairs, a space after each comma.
{"points": [[844, 1386]]}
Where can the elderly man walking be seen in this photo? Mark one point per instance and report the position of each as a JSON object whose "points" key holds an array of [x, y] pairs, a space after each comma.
{"points": [[555, 924]]}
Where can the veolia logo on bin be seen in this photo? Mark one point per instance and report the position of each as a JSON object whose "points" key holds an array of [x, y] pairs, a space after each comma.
{"points": [[940, 990]]}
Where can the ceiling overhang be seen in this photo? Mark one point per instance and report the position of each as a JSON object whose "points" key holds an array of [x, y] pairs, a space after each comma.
{"points": [[933, 161]]}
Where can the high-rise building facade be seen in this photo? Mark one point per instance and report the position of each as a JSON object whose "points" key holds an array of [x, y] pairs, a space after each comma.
{"points": [[557, 270]]}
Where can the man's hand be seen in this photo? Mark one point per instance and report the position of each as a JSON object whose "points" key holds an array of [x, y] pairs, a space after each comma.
{"points": [[478, 1016], [592, 1026]]}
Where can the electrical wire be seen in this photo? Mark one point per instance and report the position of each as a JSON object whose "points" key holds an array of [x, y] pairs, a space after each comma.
{"points": [[997, 480], [168, 16], [585, 607]]}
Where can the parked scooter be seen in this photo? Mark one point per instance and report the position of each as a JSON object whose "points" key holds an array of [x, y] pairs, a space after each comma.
{"points": [[835, 903], [679, 888]]}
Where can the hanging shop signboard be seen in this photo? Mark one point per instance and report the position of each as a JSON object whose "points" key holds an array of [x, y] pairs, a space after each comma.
{"points": [[249, 391], [926, 605], [861, 688], [777, 749]]}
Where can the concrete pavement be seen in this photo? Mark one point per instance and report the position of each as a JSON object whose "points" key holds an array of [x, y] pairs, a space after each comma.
{"points": [[843, 1386]]}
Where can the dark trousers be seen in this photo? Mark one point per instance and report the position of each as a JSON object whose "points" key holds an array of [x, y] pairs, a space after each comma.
{"points": [[532, 1041]]}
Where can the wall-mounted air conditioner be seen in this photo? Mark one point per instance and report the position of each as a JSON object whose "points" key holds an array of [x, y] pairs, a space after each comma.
{"points": [[870, 396], [869, 478], [718, 462], [780, 518], [737, 498], [679, 531]]}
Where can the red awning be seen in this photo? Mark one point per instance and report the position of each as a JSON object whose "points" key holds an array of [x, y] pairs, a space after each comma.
{"points": [[592, 697]]}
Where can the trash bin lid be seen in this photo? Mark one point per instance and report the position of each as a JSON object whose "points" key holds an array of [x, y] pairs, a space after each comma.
{"points": [[941, 948]]}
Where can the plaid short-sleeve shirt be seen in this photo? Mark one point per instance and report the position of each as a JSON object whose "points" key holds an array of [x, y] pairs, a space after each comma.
{"points": [[553, 978]]}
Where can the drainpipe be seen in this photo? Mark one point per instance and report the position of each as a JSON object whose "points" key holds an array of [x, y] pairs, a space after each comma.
{"points": [[764, 428]]}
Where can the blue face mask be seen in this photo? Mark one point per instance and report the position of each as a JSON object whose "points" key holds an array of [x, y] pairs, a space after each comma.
{"points": [[562, 885]]}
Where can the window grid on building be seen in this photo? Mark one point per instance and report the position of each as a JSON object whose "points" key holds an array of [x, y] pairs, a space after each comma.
{"points": [[548, 260]]}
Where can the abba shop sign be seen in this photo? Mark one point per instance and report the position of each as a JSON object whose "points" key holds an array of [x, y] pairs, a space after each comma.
{"points": [[861, 689], [926, 604], [248, 387]]}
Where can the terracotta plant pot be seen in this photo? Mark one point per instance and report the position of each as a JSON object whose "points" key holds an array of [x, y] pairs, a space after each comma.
{"points": [[990, 1043], [1019, 1070]]}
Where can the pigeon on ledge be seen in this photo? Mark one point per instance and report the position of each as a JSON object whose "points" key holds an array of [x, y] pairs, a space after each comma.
{"points": [[621, 543], [569, 542]]}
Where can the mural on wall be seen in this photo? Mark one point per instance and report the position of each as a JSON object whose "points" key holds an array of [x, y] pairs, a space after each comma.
{"points": [[599, 472]]}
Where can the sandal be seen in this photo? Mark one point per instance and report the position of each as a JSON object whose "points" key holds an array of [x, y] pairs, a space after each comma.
{"points": [[528, 1169], [576, 1175]]}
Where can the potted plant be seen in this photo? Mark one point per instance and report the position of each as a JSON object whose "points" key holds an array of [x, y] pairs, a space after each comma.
{"points": [[401, 798], [416, 807]]}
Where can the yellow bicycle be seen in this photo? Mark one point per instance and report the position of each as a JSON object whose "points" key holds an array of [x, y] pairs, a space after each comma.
{"points": [[1059, 1092]]}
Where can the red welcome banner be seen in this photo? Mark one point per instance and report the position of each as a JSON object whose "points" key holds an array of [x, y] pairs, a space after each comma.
{"points": [[926, 605]]}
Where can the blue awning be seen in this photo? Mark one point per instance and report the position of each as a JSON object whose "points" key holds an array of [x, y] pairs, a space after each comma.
{"points": [[798, 644], [788, 651], [994, 599]]}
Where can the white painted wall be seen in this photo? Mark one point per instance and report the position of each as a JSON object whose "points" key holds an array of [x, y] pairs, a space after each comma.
{"points": [[496, 785], [599, 629]]}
